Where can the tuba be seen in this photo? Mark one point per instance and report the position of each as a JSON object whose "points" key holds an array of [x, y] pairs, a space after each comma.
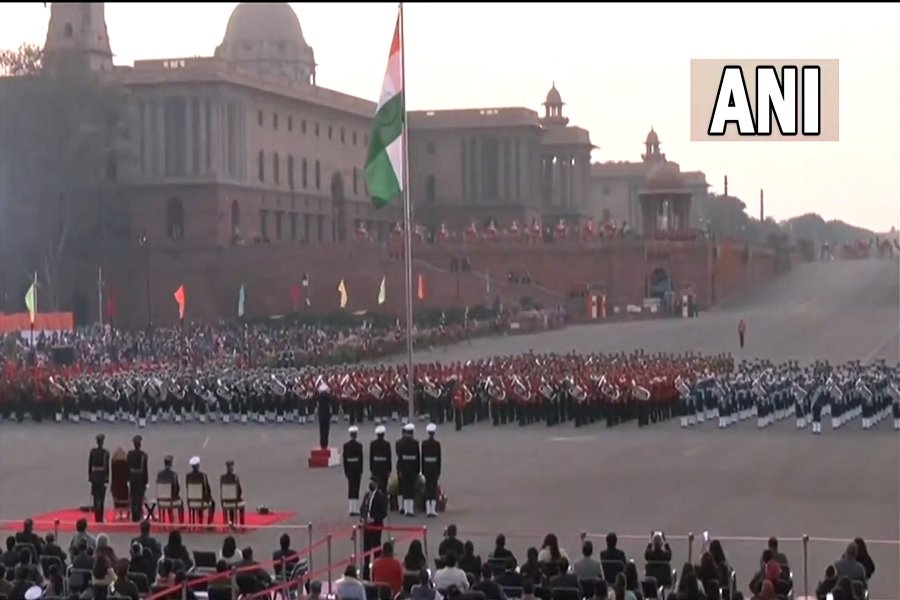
{"points": [[546, 389], [55, 388], [863, 389], [683, 388], [640, 392], [578, 393], [519, 387], [431, 389], [278, 388], [223, 391], [375, 390]]}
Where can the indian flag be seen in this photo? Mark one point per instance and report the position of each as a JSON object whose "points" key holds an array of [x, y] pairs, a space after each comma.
{"points": [[384, 160]]}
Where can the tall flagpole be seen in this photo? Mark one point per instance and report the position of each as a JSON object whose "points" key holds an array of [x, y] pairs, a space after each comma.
{"points": [[407, 230]]}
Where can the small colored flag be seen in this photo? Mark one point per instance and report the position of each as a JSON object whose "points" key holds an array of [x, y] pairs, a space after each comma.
{"points": [[382, 291], [181, 299], [31, 299], [343, 291], [241, 301], [384, 160], [421, 288], [295, 297]]}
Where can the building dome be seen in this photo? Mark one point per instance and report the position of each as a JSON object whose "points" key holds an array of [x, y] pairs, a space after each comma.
{"points": [[553, 97], [664, 176], [268, 38], [652, 138]]}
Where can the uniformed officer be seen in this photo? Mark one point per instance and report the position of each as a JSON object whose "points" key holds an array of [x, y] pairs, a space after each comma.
{"points": [[431, 469], [138, 478], [409, 465], [98, 476], [372, 515], [380, 459], [353, 468], [198, 477], [170, 477], [230, 477], [323, 410]]}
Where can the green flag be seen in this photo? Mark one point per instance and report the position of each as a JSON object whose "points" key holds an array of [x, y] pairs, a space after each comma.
{"points": [[31, 299], [384, 159], [241, 301]]}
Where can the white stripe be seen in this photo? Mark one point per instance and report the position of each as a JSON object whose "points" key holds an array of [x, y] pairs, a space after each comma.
{"points": [[395, 155], [393, 80]]}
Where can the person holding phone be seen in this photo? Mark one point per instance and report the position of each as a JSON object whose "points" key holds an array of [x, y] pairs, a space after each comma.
{"points": [[658, 549]]}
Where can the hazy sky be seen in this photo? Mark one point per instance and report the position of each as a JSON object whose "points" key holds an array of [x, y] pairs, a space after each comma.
{"points": [[619, 68]]}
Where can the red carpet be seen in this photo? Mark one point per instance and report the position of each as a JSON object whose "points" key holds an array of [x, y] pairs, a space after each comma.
{"points": [[67, 518]]}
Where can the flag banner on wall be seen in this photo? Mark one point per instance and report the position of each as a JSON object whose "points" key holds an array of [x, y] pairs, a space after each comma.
{"points": [[181, 299], [342, 288]]}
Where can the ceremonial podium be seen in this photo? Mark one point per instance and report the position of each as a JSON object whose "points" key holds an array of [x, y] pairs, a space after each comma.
{"points": [[322, 458]]}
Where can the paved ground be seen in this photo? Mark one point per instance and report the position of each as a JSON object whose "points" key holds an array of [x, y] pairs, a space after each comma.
{"points": [[739, 484]]}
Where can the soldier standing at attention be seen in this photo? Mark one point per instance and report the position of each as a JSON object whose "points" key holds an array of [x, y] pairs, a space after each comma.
{"points": [[137, 478], [227, 478], [409, 465], [353, 468], [380, 459], [742, 331], [431, 469], [98, 476], [323, 411]]}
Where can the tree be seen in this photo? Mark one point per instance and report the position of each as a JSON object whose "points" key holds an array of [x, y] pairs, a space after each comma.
{"points": [[58, 137]]}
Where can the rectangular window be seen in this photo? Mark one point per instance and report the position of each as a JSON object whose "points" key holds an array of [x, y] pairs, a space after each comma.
{"points": [[175, 129], [259, 117], [290, 123], [317, 129], [293, 227], [354, 138], [276, 168], [355, 183], [274, 120], [279, 217], [195, 133], [318, 177], [343, 140], [290, 171], [303, 173], [208, 116], [330, 131], [303, 126], [261, 166]]}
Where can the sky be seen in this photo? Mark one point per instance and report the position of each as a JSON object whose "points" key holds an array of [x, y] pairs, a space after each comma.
{"points": [[619, 67]]}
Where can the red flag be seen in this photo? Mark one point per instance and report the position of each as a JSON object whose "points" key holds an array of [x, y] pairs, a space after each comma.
{"points": [[111, 308], [181, 300], [421, 287], [295, 297]]}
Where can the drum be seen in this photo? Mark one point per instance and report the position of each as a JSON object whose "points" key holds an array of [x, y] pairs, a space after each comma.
{"points": [[118, 485]]}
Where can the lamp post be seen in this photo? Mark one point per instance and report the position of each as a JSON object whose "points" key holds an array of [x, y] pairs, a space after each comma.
{"points": [[145, 244]]}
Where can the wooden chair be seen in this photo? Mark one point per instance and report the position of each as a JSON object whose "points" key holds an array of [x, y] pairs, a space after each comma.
{"points": [[231, 503], [167, 504], [197, 504]]}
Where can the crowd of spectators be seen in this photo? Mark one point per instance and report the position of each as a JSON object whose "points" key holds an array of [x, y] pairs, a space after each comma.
{"points": [[35, 567]]}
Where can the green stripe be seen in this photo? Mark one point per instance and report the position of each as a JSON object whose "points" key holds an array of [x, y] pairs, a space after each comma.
{"points": [[379, 172]]}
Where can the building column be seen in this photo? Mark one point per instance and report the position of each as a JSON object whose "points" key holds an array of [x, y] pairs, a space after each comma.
{"points": [[479, 188], [160, 134], [204, 136], [501, 166], [464, 161], [189, 140]]}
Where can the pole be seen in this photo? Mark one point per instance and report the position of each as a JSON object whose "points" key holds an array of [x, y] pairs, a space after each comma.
{"points": [[100, 294], [34, 315], [146, 244], [806, 565], [407, 231]]}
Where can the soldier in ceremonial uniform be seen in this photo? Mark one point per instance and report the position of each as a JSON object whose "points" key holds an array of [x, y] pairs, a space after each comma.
{"points": [[373, 512], [353, 469], [138, 478], [196, 476], [170, 477], [380, 459], [431, 469], [323, 410], [230, 477], [98, 476], [409, 465]]}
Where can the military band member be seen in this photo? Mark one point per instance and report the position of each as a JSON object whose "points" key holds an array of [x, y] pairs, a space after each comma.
{"points": [[98, 476], [353, 468], [431, 469], [230, 477], [138, 477], [373, 512], [198, 477], [169, 477], [324, 403], [380, 459], [409, 465]]}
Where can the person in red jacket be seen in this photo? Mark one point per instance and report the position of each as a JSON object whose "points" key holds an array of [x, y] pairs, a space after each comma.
{"points": [[387, 569]]}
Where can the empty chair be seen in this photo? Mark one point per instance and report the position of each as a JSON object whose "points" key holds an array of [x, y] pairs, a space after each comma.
{"points": [[197, 504], [167, 504]]}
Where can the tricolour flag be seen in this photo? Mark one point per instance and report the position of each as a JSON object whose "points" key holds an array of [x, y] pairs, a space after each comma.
{"points": [[343, 291], [241, 301], [31, 299], [382, 291], [384, 159], [181, 299]]}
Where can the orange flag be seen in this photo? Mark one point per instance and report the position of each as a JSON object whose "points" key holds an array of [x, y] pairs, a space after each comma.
{"points": [[181, 300], [421, 286]]}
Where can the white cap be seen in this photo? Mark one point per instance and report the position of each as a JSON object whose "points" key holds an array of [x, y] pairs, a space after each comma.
{"points": [[353, 429], [409, 427], [431, 428], [33, 593], [380, 430], [195, 460]]}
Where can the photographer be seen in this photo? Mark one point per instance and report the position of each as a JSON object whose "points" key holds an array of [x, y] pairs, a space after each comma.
{"points": [[658, 549]]}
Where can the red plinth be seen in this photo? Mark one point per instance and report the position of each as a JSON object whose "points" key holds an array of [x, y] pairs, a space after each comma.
{"points": [[322, 458]]}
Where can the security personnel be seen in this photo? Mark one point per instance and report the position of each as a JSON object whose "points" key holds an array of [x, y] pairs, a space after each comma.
{"points": [[98, 476], [170, 477], [230, 477], [409, 465], [431, 469], [323, 410], [353, 469], [380, 459], [138, 478], [198, 477], [372, 515]]}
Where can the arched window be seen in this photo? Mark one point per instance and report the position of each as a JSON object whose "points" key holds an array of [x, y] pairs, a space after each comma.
{"points": [[175, 219], [430, 189], [235, 221]]}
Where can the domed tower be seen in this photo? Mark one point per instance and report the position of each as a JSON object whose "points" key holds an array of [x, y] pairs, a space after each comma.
{"points": [[665, 201], [553, 108], [268, 39], [651, 148], [77, 38]]}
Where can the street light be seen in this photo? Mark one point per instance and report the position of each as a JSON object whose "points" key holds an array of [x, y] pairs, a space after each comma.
{"points": [[145, 244]]}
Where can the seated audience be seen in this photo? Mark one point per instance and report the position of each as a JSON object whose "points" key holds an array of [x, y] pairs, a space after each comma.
{"points": [[633, 581], [142, 562], [587, 567], [531, 569], [691, 589], [229, 552], [51, 548], [81, 533], [84, 556], [550, 550], [620, 588], [284, 556], [776, 555], [122, 586], [105, 550], [487, 586], [612, 551], [262, 577], [718, 554], [28, 536], [387, 569], [502, 552], [148, 541], [175, 550], [564, 579], [450, 543], [450, 575], [423, 590], [862, 555], [658, 550], [469, 561], [848, 566], [414, 562], [349, 587], [826, 585], [165, 575]]}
